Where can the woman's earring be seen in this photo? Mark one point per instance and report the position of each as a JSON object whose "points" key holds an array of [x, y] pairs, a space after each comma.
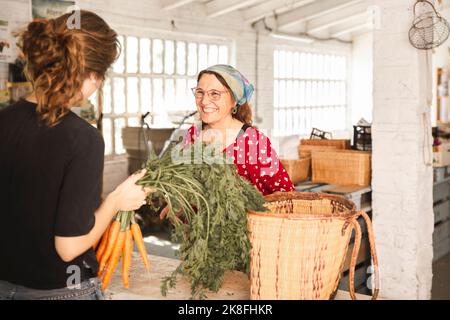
{"points": [[235, 110]]}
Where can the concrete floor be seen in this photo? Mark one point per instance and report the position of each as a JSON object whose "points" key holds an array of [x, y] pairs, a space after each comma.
{"points": [[441, 279], [158, 243]]}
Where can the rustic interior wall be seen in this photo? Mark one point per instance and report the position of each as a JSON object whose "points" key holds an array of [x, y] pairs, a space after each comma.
{"points": [[402, 173]]}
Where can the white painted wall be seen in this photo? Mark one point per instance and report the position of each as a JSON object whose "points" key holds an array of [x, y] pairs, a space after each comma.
{"points": [[362, 78]]}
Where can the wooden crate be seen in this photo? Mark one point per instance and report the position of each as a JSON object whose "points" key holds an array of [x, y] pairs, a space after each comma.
{"points": [[441, 211], [344, 167], [305, 151], [338, 143], [306, 146], [298, 169]]}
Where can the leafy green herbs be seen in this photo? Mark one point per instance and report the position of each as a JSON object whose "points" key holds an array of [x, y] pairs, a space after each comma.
{"points": [[212, 228]]}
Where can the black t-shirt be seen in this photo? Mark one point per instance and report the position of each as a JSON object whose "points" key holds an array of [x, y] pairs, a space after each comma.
{"points": [[50, 185]]}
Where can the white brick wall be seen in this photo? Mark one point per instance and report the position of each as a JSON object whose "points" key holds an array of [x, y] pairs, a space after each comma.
{"points": [[402, 180]]}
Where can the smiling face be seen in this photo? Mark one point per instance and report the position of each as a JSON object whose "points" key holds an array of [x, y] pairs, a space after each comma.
{"points": [[214, 112]]}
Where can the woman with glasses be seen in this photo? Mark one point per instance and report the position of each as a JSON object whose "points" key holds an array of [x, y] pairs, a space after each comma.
{"points": [[222, 97]]}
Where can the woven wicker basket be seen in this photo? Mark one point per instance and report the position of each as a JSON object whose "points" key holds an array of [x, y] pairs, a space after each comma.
{"points": [[306, 151], [306, 146], [298, 169], [338, 143], [344, 167], [299, 247]]}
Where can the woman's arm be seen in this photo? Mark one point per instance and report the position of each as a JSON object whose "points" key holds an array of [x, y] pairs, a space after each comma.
{"points": [[126, 197]]}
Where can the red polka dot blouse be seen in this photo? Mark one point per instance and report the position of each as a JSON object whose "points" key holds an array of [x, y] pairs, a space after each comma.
{"points": [[255, 160]]}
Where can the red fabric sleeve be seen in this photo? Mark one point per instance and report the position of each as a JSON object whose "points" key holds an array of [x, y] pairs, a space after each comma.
{"points": [[257, 161]]}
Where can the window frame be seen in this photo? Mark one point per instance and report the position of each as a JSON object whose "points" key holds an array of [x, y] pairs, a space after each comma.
{"points": [[151, 35], [344, 51]]}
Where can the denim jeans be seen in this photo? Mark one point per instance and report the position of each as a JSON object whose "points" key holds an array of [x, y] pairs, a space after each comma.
{"points": [[88, 290]]}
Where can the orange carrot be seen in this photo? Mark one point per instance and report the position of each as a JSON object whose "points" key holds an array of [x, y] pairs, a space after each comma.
{"points": [[137, 235], [126, 259], [102, 246], [112, 237], [114, 260]]}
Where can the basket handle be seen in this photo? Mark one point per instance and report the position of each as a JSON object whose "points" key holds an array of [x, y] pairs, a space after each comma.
{"points": [[355, 252], [425, 2], [373, 253]]}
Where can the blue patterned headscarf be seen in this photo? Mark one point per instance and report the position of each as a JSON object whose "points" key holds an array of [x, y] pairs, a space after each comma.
{"points": [[241, 88]]}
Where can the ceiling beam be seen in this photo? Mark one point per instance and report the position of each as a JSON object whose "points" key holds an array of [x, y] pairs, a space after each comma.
{"points": [[173, 4], [267, 8], [311, 11], [217, 8], [342, 16], [350, 27]]}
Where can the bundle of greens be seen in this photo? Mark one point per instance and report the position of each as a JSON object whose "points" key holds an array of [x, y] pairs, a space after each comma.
{"points": [[212, 228]]}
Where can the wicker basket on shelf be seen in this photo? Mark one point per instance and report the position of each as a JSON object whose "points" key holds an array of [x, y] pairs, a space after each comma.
{"points": [[299, 247], [306, 146], [342, 167], [338, 143], [298, 169]]}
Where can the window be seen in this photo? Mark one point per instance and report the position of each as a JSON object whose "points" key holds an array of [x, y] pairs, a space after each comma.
{"points": [[153, 75], [310, 90]]}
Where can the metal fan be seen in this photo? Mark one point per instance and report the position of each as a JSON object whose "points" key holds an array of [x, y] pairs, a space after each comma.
{"points": [[429, 29]]}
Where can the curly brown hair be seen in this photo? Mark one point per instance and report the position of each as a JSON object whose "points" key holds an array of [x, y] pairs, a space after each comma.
{"points": [[59, 59]]}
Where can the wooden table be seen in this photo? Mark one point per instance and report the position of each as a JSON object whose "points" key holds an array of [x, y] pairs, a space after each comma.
{"points": [[147, 286]]}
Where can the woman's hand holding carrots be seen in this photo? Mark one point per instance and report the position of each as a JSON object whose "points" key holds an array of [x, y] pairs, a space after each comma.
{"points": [[128, 196], [117, 241]]}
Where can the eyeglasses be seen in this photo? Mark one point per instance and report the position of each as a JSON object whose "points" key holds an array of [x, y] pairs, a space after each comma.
{"points": [[213, 94]]}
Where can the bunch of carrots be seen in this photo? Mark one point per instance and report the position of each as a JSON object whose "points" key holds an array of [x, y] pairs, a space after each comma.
{"points": [[117, 242]]}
